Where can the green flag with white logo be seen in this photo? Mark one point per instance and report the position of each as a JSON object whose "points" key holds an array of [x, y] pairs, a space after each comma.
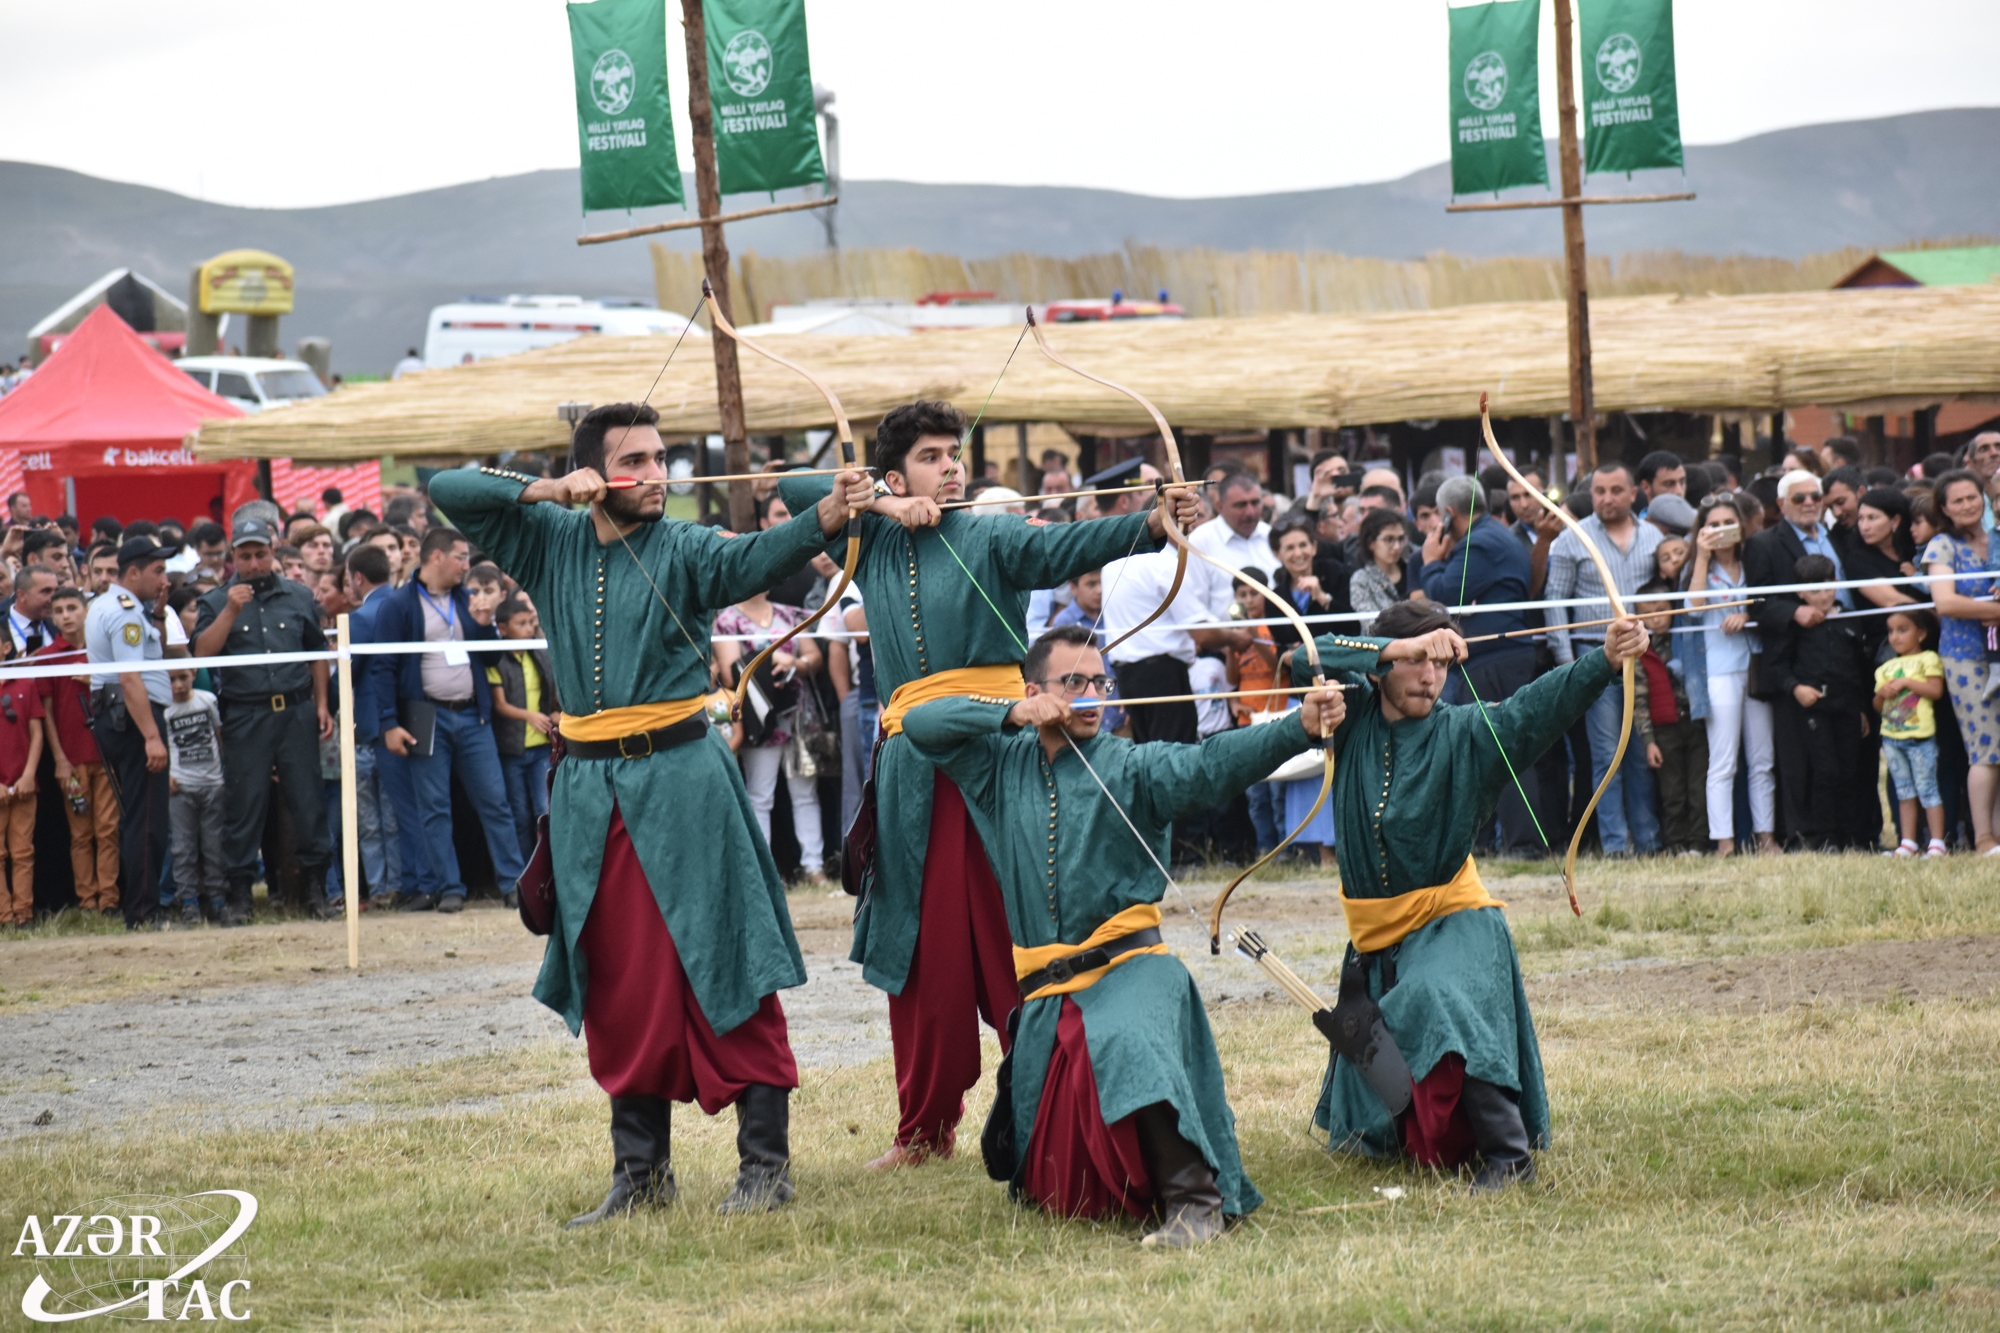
{"points": [[760, 83], [1631, 114], [624, 111], [1496, 107]]}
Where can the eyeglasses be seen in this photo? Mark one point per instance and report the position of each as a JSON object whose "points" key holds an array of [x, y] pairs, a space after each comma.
{"points": [[1076, 683], [1803, 497]]}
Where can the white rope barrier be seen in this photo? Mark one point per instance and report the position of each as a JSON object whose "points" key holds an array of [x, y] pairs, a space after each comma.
{"points": [[23, 671]]}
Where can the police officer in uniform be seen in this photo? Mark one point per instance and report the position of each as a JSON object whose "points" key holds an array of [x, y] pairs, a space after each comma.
{"points": [[273, 717], [128, 718]]}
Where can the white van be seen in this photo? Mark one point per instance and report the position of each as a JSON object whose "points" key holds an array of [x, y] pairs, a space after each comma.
{"points": [[473, 330]]}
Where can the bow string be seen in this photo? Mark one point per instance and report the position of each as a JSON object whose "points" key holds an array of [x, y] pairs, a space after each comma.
{"points": [[1618, 609]]}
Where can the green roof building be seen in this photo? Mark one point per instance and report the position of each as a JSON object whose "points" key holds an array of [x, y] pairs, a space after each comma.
{"points": [[1960, 266]]}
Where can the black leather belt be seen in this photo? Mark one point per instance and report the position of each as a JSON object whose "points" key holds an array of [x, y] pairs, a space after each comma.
{"points": [[277, 703], [1062, 969], [640, 744], [453, 705]]}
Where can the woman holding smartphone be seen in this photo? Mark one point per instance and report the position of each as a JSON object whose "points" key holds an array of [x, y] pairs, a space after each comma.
{"points": [[1736, 722]]}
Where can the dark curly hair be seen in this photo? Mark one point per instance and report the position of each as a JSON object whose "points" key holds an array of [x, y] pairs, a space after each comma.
{"points": [[905, 425], [586, 443]]}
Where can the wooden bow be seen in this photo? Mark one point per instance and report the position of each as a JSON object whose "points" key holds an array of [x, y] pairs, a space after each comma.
{"points": [[1167, 441], [1283, 604], [1619, 613], [846, 435]]}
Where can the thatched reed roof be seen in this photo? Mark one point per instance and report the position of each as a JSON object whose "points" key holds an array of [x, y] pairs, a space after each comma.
{"points": [[1889, 349]]}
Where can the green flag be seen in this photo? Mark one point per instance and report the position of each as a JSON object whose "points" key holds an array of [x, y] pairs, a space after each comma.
{"points": [[1496, 106], [624, 112], [760, 82], [1632, 117]]}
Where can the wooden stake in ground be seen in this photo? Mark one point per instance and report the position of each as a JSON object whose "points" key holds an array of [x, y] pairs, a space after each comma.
{"points": [[350, 806], [715, 261]]}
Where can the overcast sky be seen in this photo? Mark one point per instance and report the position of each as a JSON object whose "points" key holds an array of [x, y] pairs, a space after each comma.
{"points": [[279, 103]]}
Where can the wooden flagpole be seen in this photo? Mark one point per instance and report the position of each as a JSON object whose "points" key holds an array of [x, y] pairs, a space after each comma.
{"points": [[715, 261], [1582, 395]]}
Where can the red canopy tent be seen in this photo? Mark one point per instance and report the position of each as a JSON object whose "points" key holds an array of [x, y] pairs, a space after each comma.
{"points": [[107, 414]]}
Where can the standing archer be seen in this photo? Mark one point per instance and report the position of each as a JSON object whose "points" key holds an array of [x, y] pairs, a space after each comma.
{"points": [[1416, 784], [671, 937], [945, 592]]}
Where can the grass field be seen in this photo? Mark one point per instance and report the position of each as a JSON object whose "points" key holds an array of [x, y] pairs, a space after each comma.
{"points": [[1831, 1161]]}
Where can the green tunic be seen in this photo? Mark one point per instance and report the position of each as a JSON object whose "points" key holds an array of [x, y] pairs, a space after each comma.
{"points": [[1067, 863], [614, 644], [1409, 799], [928, 613]]}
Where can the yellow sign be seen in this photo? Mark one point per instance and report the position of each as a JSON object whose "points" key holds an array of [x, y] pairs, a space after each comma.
{"points": [[246, 282]]}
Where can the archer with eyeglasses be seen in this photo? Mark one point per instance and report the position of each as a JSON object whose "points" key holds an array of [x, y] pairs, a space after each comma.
{"points": [[1134, 1119]]}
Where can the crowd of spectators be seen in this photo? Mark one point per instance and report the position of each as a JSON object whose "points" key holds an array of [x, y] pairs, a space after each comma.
{"points": [[165, 795], [1781, 717]]}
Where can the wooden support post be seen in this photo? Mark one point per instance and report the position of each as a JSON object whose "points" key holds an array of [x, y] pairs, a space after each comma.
{"points": [[715, 261], [978, 465], [1026, 487], [350, 805], [1582, 396]]}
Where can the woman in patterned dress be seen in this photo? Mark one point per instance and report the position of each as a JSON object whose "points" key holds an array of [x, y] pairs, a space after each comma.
{"points": [[1966, 608]]}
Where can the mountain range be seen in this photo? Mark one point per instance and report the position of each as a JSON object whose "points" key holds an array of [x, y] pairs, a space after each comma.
{"points": [[369, 272]]}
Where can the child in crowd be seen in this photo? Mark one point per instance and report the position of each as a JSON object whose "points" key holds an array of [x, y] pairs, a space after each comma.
{"points": [[1255, 667], [1670, 558], [1822, 676], [1906, 688], [81, 778], [485, 589], [1676, 744], [20, 754], [194, 800], [526, 713]]}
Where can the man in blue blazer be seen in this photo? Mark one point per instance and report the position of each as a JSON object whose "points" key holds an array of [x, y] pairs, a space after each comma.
{"points": [[382, 783], [435, 709]]}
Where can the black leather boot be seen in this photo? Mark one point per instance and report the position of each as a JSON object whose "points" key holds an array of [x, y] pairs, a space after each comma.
{"points": [[640, 1151], [236, 901], [1497, 1131], [1183, 1185], [763, 1150]]}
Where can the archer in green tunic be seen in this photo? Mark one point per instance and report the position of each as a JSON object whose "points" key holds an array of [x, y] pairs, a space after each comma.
{"points": [[1415, 783], [1117, 1092], [670, 936], [946, 597]]}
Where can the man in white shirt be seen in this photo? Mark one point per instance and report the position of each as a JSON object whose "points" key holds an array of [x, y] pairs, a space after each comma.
{"points": [[1156, 660], [1238, 536]]}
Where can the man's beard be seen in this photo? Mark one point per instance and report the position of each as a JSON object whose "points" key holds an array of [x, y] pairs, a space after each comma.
{"points": [[627, 506]]}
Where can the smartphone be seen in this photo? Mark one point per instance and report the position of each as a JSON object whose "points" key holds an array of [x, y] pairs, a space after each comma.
{"points": [[1725, 533]]}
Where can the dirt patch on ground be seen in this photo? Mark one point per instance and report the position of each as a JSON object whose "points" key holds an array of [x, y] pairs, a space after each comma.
{"points": [[1964, 967], [266, 1025]]}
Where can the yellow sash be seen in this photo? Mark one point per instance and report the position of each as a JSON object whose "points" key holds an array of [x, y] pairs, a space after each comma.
{"points": [[1027, 962], [988, 684], [1378, 923], [612, 723]]}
